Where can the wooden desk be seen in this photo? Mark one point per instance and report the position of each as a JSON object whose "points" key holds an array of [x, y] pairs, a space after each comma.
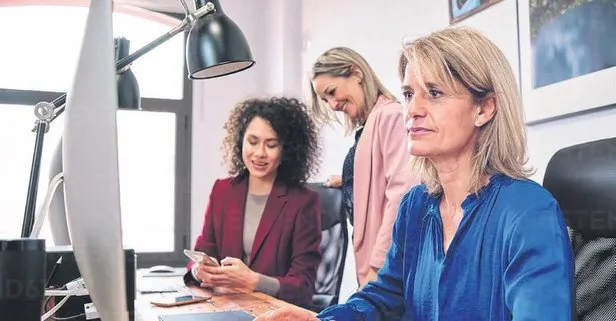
{"points": [[222, 300]]}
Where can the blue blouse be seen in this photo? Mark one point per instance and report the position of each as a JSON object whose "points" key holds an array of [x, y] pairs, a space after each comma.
{"points": [[510, 259]]}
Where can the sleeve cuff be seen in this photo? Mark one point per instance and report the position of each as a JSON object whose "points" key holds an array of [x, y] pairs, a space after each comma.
{"points": [[190, 277], [268, 285], [193, 272], [378, 258], [339, 312]]}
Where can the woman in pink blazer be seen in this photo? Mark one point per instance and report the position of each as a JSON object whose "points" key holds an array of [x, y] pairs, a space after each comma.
{"points": [[375, 174]]}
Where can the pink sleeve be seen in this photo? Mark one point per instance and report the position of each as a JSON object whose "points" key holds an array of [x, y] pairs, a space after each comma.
{"points": [[393, 144]]}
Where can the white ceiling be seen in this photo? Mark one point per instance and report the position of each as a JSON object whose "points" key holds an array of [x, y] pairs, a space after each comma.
{"points": [[159, 5]]}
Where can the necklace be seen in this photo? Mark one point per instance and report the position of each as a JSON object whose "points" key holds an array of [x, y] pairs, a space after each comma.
{"points": [[452, 214]]}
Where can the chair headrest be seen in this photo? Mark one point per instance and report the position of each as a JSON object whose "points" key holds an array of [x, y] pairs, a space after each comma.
{"points": [[582, 178], [331, 204]]}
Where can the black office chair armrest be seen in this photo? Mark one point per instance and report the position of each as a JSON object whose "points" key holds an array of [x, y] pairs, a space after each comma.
{"points": [[322, 301]]}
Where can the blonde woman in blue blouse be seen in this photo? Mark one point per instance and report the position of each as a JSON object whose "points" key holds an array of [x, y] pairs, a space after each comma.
{"points": [[477, 240]]}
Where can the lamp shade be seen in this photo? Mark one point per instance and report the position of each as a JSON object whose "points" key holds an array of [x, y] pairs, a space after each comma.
{"points": [[216, 46], [129, 96]]}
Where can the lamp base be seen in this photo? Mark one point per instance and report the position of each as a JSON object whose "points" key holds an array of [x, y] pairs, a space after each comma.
{"points": [[22, 279]]}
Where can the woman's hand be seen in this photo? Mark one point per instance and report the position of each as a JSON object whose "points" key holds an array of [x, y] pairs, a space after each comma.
{"points": [[333, 181], [232, 273], [288, 313], [201, 274]]}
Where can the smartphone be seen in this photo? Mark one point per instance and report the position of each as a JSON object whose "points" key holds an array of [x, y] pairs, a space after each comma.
{"points": [[180, 300], [200, 257]]}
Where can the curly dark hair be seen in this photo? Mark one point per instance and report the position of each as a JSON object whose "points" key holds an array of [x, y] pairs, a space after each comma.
{"points": [[296, 132]]}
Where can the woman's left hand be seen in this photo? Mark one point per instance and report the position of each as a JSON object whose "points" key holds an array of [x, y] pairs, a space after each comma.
{"points": [[233, 273]]}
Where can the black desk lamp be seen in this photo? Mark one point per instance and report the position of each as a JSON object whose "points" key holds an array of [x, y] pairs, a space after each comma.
{"points": [[216, 47]]}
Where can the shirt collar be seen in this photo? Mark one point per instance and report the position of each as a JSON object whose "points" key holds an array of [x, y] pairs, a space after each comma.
{"points": [[471, 200]]}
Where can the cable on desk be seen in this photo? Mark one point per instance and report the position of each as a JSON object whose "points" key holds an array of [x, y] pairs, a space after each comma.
{"points": [[53, 310], [69, 318], [72, 288]]}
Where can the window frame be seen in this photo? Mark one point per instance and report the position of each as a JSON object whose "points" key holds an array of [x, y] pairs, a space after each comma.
{"points": [[183, 151]]}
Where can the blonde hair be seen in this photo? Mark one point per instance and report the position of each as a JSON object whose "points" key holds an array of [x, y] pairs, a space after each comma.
{"points": [[463, 55], [343, 62]]}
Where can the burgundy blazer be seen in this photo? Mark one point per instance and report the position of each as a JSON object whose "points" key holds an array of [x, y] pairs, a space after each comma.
{"points": [[287, 242]]}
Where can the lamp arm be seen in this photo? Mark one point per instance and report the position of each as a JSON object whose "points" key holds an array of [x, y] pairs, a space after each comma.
{"points": [[43, 112], [47, 112], [124, 62], [60, 102]]}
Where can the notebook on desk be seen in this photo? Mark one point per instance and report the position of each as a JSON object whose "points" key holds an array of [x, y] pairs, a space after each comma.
{"points": [[211, 316], [159, 285]]}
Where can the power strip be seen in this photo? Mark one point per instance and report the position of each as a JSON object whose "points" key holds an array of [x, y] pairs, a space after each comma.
{"points": [[90, 311], [77, 283]]}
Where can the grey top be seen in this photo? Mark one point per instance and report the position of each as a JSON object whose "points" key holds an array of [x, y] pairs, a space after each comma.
{"points": [[252, 217]]}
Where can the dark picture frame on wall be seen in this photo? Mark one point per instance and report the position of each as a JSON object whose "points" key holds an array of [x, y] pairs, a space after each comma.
{"points": [[567, 61], [462, 9]]}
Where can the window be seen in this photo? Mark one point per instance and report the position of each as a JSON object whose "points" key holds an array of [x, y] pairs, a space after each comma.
{"points": [[45, 53], [147, 179], [154, 144], [17, 144]]}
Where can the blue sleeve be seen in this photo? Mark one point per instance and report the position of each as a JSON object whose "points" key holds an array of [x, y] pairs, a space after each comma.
{"points": [[539, 277], [382, 299]]}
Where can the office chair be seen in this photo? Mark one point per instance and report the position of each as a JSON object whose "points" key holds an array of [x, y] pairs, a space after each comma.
{"points": [[333, 246], [582, 178]]}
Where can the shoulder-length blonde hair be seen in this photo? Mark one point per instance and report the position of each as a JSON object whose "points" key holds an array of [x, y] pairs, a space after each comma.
{"points": [[464, 56], [343, 62]]}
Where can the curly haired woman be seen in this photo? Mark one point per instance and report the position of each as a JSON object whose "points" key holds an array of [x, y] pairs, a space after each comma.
{"points": [[262, 223]]}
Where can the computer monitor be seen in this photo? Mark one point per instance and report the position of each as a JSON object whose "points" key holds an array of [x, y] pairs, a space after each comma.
{"points": [[90, 167]]}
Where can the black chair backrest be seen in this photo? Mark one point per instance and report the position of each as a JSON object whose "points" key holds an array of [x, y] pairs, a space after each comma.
{"points": [[333, 245], [582, 178]]}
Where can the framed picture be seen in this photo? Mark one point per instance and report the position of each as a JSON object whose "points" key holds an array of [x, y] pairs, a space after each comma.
{"points": [[462, 9], [567, 56]]}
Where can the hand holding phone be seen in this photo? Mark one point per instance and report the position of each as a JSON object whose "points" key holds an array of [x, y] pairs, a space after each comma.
{"points": [[201, 258]]}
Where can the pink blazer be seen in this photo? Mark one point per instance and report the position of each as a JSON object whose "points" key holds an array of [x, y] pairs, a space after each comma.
{"points": [[381, 177]]}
